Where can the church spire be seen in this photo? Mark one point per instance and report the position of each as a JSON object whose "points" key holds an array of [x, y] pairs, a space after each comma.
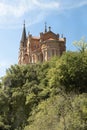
{"points": [[45, 27], [23, 38]]}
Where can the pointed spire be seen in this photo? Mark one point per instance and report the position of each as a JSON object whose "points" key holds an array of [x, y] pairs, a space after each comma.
{"points": [[45, 27], [23, 38]]}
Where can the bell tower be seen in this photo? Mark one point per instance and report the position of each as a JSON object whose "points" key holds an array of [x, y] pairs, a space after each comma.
{"points": [[23, 46]]}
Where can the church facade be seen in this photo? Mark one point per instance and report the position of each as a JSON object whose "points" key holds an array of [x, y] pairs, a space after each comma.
{"points": [[42, 48]]}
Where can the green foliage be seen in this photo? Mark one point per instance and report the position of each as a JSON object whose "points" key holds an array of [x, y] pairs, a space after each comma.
{"points": [[4, 110], [47, 96], [70, 72], [61, 112], [81, 45]]}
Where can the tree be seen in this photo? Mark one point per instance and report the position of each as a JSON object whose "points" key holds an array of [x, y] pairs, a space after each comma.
{"points": [[4, 110], [81, 45], [60, 112], [36, 97], [70, 72]]}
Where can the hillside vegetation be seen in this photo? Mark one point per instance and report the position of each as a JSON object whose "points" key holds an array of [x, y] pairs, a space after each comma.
{"points": [[47, 96]]}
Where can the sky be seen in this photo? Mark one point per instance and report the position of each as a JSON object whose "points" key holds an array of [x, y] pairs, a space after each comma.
{"points": [[67, 17]]}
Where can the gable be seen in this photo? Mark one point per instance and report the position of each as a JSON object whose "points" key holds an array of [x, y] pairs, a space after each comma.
{"points": [[49, 35]]}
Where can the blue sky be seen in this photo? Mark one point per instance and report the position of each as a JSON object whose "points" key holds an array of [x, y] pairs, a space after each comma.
{"points": [[67, 17]]}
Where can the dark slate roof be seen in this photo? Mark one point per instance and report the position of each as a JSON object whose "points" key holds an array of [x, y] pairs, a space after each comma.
{"points": [[23, 38]]}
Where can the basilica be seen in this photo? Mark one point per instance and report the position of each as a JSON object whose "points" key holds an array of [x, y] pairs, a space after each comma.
{"points": [[42, 48]]}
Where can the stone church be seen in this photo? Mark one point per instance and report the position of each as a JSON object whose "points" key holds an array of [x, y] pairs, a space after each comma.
{"points": [[42, 48]]}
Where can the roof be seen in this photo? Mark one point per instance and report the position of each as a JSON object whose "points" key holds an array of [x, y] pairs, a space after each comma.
{"points": [[36, 38], [23, 38], [50, 39], [61, 39]]}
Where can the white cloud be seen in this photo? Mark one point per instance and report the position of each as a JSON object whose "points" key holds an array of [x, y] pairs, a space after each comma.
{"points": [[46, 5], [23, 6], [71, 4], [9, 9], [12, 13]]}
